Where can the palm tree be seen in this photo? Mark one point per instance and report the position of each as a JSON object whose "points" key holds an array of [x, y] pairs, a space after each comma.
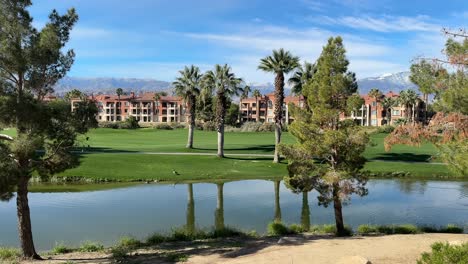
{"points": [[187, 86], [301, 76], [256, 93], [408, 99], [119, 92], [157, 97], [387, 104], [281, 62], [225, 84]]}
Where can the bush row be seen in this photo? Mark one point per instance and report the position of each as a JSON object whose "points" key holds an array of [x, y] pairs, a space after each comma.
{"points": [[406, 229]]}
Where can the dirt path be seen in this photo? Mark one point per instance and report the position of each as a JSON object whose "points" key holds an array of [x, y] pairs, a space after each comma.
{"points": [[400, 249]]}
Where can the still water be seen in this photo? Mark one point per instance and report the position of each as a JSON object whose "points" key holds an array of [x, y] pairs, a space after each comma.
{"points": [[106, 215]]}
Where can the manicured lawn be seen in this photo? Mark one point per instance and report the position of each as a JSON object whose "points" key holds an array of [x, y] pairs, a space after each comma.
{"points": [[132, 167], [154, 140], [111, 162]]}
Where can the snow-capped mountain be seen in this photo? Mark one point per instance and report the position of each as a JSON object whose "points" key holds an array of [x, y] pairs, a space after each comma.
{"points": [[395, 82]]}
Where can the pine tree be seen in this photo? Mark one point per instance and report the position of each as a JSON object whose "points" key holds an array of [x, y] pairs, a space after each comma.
{"points": [[328, 155], [31, 62]]}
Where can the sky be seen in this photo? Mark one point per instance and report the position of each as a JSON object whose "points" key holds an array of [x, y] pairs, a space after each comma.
{"points": [[157, 38]]}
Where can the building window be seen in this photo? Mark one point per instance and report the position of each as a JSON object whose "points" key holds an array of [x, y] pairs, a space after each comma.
{"points": [[254, 105], [374, 103], [270, 104], [396, 112], [374, 112], [374, 122]]}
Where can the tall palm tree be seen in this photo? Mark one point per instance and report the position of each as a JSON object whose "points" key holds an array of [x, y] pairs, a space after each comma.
{"points": [[256, 93], [281, 62], [376, 94], [187, 86], [408, 99], [300, 77], [119, 92], [387, 104], [225, 84], [157, 98]]}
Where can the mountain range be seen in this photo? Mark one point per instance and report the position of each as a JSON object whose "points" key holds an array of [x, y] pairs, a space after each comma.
{"points": [[395, 82]]}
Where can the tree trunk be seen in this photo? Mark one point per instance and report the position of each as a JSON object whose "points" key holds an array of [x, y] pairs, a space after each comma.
{"points": [[24, 220], [191, 106], [220, 115], [338, 212], [277, 202], [279, 99]]}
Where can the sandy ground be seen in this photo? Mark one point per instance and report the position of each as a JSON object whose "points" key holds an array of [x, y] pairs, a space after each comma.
{"points": [[291, 250]]}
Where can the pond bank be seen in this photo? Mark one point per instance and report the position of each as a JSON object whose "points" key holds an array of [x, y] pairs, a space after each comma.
{"points": [[294, 249]]}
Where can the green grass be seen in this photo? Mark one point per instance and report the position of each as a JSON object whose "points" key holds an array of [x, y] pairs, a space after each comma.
{"points": [[116, 156], [160, 167], [9, 254]]}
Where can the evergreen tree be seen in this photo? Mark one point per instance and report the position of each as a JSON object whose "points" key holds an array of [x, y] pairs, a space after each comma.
{"points": [[328, 155], [31, 62]]}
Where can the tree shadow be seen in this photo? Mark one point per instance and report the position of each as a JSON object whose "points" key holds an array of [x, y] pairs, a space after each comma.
{"points": [[98, 150], [408, 157], [259, 148]]}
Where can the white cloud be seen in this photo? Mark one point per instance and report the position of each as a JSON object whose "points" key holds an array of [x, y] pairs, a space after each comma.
{"points": [[381, 24]]}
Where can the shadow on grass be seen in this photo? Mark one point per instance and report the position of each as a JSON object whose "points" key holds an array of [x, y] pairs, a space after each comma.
{"points": [[89, 150], [258, 148], [408, 157]]}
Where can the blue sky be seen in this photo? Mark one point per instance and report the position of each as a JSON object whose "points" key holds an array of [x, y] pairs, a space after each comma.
{"points": [[156, 38]]}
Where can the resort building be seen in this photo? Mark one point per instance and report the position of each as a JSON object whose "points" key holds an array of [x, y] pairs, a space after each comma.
{"points": [[371, 113], [143, 107], [261, 109]]}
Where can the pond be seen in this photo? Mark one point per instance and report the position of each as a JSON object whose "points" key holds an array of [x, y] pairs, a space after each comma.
{"points": [[69, 217]]}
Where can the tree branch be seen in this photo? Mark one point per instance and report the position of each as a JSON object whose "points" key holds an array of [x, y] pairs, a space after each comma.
{"points": [[5, 137]]}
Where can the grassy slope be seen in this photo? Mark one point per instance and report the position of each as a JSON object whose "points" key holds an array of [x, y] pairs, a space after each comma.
{"points": [[141, 167]]}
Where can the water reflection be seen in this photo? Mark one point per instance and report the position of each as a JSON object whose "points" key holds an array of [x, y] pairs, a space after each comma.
{"points": [[305, 212], [277, 202], [190, 223], [219, 212], [73, 217]]}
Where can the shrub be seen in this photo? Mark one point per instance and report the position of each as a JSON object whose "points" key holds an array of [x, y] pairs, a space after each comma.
{"points": [[277, 229], [60, 248], [155, 239], [108, 125], [178, 125], [445, 254], [448, 229], [129, 242], [297, 229], [367, 229], [9, 253], [406, 229], [184, 234], [250, 127], [176, 257], [267, 127], [119, 252], [384, 229], [209, 126], [130, 123], [386, 129], [89, 246], [228, 128], [330, 229], [163, 126]]}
